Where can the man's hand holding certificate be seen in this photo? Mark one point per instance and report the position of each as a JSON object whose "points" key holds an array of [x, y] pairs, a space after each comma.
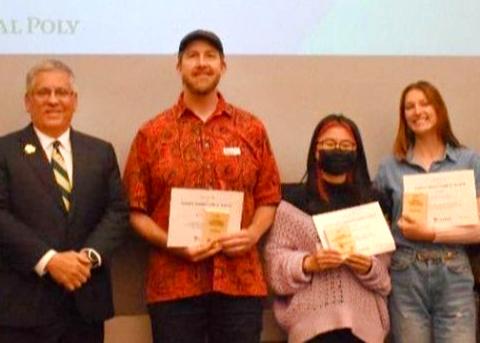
{"points": [[356, 230]]}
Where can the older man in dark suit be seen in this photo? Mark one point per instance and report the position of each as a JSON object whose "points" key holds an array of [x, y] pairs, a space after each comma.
{"points": [[62, 212]]}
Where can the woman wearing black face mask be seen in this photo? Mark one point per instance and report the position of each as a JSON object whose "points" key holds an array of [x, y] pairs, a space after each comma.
{"points": [[321, 297]]}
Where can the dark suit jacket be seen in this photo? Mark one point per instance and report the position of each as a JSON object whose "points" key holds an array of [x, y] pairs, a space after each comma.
{"points": [[33, 220]]}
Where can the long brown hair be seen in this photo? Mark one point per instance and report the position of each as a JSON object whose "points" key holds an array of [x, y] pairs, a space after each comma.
{"points": [[405, 137]]}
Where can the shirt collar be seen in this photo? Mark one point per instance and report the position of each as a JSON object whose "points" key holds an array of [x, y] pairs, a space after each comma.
{"points": [[450, 153], [46, 141], [222, 107]]}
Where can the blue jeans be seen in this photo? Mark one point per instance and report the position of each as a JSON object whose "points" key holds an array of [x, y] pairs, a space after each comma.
{"points": [[432, 297], [212, 318]]}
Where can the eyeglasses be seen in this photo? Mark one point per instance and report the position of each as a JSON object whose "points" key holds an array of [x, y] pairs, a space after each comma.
{"points": [[331, 144], [45, 93]]}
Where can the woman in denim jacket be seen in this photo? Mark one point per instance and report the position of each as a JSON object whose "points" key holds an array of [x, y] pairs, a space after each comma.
{"points": [[432, 295]]}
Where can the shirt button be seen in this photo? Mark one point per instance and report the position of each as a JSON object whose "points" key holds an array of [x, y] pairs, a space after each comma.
{"points": [[206, 145]]}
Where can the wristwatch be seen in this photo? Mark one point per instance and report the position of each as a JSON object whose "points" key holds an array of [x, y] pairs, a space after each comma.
{"points": [[93, 257]]}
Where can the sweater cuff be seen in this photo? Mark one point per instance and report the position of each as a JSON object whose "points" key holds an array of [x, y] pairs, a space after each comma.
{"points": [[372, 273]]}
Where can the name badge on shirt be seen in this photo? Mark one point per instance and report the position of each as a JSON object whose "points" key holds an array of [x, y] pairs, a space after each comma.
{"points": [[231, 151]]}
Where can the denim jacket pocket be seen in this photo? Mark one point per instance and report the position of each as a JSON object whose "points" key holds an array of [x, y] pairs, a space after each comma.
{"points": [[402, 259]]}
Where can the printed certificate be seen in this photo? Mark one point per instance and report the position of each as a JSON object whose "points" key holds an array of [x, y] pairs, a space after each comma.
{"points": [[360, 229], [448, 198], [198, 215]]}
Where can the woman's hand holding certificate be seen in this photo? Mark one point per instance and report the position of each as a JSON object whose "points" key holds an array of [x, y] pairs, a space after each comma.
{"points": [[322, 260], [415, 230], [359, 263], [325, 259]]}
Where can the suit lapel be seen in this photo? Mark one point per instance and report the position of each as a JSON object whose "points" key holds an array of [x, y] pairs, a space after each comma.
{"points": [[38, 161], [79, 153]]}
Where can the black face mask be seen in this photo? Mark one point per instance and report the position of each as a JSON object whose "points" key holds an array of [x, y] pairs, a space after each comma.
{"points": [[337, 162]]}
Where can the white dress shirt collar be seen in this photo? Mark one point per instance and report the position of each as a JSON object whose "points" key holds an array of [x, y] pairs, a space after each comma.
{"points": [[47, 141]]}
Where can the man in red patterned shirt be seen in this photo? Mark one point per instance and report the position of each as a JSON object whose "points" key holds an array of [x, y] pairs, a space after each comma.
{"points": [[212, 290]]}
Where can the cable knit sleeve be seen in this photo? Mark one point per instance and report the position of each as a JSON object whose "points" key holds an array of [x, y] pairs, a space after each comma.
{"points": [[378, 278], [291, 238]]}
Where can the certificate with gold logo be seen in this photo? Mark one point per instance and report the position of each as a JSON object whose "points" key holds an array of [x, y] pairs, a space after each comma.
{"points": [[215, 223], [360, 229], [199, 216], [449, 198], [340, 238]]}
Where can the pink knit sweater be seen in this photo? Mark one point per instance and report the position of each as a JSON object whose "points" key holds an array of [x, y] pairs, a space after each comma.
{"points": [[308, 305]]}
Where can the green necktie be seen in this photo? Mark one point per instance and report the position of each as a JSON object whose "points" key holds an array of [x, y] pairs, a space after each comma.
{"points": [[61, 175]]}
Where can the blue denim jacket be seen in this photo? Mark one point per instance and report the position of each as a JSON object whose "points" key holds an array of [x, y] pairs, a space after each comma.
{"points": [[390, 179]]}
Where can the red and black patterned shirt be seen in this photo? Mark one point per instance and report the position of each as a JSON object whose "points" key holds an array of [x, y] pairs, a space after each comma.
{"points": [[230, 151]]}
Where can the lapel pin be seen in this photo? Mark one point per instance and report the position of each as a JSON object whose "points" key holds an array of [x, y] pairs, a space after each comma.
{"points": [[29, 149]]}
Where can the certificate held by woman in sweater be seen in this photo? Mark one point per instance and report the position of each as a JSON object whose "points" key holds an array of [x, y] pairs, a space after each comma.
{"points": [[360, 229]]}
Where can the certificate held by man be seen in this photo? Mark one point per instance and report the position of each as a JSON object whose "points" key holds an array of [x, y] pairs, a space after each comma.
{"points": [[445, 199], [200, 216], [360, 229]]}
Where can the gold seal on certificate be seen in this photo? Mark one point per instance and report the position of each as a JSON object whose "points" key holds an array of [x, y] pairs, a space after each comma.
{"points": [[215, 223], [340, 238], [415, 206]]}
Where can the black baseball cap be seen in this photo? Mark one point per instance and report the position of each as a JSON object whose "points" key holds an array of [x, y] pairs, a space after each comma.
{"points": [[208, 36]]}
